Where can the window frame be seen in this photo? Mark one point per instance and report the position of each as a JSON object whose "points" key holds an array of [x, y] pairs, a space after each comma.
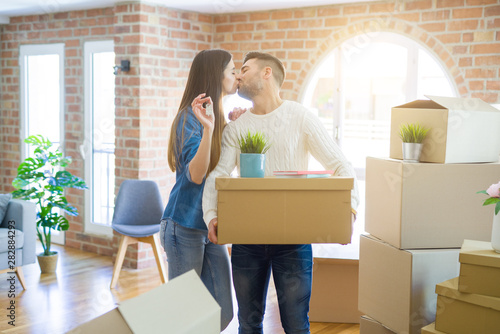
{"points": [[39, 50], [91, 47]]}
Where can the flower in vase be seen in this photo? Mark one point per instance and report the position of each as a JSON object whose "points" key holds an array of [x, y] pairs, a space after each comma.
{"points": [[494, 192]]}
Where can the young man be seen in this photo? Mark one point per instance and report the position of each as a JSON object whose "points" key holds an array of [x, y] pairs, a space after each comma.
{"points": [[293, 132]]}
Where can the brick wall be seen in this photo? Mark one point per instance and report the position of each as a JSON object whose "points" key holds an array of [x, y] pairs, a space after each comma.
{"points": [[72, 29], [464, 35], [160, 43]]}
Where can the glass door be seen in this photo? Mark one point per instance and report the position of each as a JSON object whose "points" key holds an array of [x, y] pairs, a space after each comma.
{"points": [[42, 98], [99, 146]]}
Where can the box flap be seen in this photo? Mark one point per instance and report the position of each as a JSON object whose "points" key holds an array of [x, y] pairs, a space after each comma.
{"points": [[182, 306], [377, 264], [449, 289], [276, 183], [422, 104], [111, 322], [372, 326], [384, 191], [468, 104], [431, 329], [479, 253]]}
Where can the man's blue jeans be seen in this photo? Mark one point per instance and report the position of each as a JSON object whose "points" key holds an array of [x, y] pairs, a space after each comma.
{"points": [[189, 249], [291, 266]]}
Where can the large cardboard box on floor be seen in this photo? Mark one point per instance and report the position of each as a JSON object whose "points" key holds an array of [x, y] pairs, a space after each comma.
{"points": [[479, 269], [465, 313], [181, 306], [396, 287], [421, 205], [462, 130], [284, 210], [368, 325], [334, 296]]}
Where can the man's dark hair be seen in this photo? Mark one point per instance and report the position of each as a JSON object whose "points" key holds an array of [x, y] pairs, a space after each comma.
{"points": [[271, 61]]}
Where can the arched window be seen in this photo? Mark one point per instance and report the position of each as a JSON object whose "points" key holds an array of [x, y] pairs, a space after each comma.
{"points": [[355, 86]]}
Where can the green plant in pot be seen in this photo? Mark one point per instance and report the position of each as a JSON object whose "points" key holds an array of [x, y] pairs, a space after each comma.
{"points": [[41, 179], [412, 135], [253, 147]]}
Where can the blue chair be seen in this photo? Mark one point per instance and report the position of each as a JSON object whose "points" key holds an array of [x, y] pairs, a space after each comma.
{"points": [[137, 215]]}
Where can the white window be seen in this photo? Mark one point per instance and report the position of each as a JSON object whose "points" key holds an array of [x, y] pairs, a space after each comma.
{"points": [[99, 146], [353, 90], [42, 97]]}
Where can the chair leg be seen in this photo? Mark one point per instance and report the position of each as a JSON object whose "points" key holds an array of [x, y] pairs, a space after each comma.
{"points": [[120, 256], [20, 275], [154, 241], [159, 258]]}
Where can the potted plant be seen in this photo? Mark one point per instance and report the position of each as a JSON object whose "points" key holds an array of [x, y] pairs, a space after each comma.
{"points": [[41, 179], [412, 136], [253, 147], [494, 192]]}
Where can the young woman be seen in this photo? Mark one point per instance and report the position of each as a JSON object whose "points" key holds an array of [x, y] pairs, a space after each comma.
{"points": [[193, 152]]}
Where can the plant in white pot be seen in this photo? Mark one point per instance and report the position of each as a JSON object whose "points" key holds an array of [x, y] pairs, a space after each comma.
{"points": [[412, 135], [494, 192], [253, 147], [41, 179]]}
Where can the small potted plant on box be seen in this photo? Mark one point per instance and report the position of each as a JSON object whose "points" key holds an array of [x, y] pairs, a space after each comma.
{"points": [[253, 147], [412, 136], [41, 179]]}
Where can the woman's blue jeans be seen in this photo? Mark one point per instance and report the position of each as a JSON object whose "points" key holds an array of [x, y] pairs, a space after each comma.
{"points": [[189, 249], [291, 266]]}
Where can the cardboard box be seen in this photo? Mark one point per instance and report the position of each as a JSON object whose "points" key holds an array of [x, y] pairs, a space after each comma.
{"points": [[368, 325], [420, 205], [181, 306], [479, 269], [396, 287], [431, 329], [465, 313], [334, 296], [284, 210], [458, 128]]}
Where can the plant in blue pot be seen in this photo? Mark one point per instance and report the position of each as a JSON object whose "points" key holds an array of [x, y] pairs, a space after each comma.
{"points": [[253, 148]]}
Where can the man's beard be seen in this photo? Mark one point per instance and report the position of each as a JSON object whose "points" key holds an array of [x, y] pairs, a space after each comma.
{"points": [[249, 91]]}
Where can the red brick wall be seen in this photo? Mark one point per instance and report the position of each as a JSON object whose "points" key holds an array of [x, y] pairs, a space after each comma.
{"points": [[160, 43], [72, 29], [464, 35]]}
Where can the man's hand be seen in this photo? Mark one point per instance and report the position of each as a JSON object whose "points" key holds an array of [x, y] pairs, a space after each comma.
{"points": [[212, 231]]}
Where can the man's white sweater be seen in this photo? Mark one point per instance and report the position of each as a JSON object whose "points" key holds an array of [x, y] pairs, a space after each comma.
{"points": [[293, 132]]}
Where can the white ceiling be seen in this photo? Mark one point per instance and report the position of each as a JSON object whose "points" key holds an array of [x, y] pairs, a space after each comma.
{"points": [[30, 7]]}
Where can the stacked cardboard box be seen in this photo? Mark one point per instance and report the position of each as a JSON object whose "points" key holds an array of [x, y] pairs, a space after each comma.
{"points": [[396, 286], [418, 214], [470, 303]]}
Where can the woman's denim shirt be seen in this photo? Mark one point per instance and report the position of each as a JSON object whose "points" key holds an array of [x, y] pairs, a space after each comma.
{"points": [[184, 204]]}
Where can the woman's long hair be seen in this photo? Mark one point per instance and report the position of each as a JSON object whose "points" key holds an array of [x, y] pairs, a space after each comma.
{"points": [[205, 76]]}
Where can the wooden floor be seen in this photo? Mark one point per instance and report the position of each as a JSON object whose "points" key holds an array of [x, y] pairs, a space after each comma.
{"points": [[79, 291]]}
